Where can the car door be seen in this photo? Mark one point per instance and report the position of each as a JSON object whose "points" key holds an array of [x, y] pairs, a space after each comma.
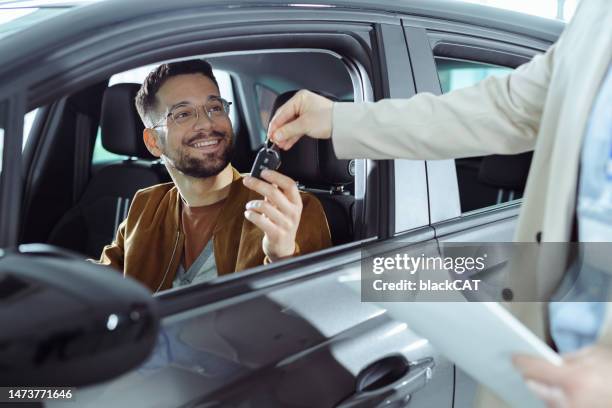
{"points": [[294, 333], [436, 48]]}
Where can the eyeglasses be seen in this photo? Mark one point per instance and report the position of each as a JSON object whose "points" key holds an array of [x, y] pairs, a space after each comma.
{"points": [[187, 114]]}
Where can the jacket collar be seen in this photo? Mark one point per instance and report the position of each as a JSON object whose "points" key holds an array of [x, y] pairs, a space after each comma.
{"points": [[234, 203]]}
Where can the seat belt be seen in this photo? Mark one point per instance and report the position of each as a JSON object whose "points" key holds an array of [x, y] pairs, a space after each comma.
{"points": [[82, 145]]}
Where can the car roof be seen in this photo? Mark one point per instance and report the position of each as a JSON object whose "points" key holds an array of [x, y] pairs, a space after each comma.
{"points": [[450, 10], [7, 4], [38, 41]]}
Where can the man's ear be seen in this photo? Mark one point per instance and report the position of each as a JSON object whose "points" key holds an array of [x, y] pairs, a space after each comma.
{"points": [[150, 140]]}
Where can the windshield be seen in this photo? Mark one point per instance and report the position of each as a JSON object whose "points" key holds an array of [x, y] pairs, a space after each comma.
{"points": [[13, 20]]}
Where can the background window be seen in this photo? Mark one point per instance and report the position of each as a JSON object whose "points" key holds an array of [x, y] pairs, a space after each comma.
{"points": [[455, 74], [100, 154], [265, 102], [488, 180]]}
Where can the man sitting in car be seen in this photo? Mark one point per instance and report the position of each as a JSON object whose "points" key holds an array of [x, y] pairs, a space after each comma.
{"points": [[210, 220]]}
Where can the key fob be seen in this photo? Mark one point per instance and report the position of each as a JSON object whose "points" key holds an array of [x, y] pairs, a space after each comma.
{"points": [[268, 157]]}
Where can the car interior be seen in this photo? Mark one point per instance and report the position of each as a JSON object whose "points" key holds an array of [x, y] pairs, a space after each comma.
{"points": [[88, 158], [76, 200]]}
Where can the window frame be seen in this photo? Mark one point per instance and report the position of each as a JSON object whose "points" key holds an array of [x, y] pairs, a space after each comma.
{"points": [[460, 42], [474, 52]]}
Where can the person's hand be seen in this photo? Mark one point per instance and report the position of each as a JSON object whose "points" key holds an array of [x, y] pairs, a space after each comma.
{"points": [[582, 381], [306, 113], [278, 215]]}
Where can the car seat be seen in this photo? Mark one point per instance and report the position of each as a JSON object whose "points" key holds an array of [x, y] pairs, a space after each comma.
{"points": [[93, 221]]}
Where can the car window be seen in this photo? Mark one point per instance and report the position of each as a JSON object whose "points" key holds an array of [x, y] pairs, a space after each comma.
{"points": [[479, 182], [265, 101], [456, 74], [100, 154], [28, 121], [110, 185]]}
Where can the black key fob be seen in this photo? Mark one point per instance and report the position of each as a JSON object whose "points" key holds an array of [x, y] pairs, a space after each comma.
{"points": [[268, 157]]}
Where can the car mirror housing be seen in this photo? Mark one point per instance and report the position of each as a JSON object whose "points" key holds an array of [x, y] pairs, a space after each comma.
{"points": [[69, 322]]}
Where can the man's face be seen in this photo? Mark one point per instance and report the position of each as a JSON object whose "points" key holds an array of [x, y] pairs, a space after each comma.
{"points": [[200, 149]]}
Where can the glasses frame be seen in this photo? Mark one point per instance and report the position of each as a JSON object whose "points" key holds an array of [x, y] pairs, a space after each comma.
{"points": [[226, 109]]}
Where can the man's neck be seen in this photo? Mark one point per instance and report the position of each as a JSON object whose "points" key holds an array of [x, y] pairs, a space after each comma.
{"points": [[198, 192]]}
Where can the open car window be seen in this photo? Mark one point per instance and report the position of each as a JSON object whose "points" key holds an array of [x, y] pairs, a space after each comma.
{"points": [[88, 215]]}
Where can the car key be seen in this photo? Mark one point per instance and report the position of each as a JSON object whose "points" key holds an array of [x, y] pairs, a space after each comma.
{"points": [[268, 157]]}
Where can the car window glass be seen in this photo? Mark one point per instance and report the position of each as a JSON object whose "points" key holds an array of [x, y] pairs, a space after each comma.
{"points": [[479, 182], [28, 121], [100, 154], [265, 101], [456, 74]]}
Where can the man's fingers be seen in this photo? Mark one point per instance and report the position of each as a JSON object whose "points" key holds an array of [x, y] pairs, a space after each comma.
{"points": [[539, 370], [273, 194], [286, 184], [267, 209], [263, 223]]}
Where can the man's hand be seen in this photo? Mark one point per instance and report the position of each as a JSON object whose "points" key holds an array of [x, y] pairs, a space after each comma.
{"points": [[306, 113], [278, 216], [582, 381]]}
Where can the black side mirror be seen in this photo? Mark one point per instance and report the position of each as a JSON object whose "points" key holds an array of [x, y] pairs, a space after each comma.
{"points": [[69, 322]]}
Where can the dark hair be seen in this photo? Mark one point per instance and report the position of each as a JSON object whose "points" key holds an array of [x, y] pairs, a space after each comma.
{"points": [[146, 96]]}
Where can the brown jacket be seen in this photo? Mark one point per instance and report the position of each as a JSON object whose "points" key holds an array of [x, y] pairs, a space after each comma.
{"points": [[150, 241]]}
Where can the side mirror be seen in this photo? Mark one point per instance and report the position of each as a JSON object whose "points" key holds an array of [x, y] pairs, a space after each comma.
{"points": [[69, 322]]}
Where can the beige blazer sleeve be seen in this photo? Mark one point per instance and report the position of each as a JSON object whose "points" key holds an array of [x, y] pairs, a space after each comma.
{"points": [[498, 115]]}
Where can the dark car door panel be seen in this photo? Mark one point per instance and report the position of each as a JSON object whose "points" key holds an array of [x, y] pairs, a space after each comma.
{"points": [[302, 344]]}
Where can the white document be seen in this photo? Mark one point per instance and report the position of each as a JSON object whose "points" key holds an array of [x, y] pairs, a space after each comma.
{"points": [[480, 337]]}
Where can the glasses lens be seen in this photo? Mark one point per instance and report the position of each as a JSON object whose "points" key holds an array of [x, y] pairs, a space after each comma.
{"points": [[216, 108], [184, 115]]}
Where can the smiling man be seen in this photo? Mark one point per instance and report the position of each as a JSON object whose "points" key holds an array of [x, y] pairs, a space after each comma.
{"points": [[209, 221]]}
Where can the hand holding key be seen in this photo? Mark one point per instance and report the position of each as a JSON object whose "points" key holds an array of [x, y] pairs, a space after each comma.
{"points": [[268, 157], [278, 214]]}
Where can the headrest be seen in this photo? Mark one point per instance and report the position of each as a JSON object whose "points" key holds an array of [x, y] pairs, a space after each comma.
{"points": [[507, 172], [312, 162], [120, 123]]}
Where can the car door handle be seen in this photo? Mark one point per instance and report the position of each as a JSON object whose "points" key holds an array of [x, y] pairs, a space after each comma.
{"points": [[389, 382]]}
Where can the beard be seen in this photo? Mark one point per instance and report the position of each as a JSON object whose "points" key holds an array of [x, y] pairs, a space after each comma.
{"points": [[200, 165]]}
